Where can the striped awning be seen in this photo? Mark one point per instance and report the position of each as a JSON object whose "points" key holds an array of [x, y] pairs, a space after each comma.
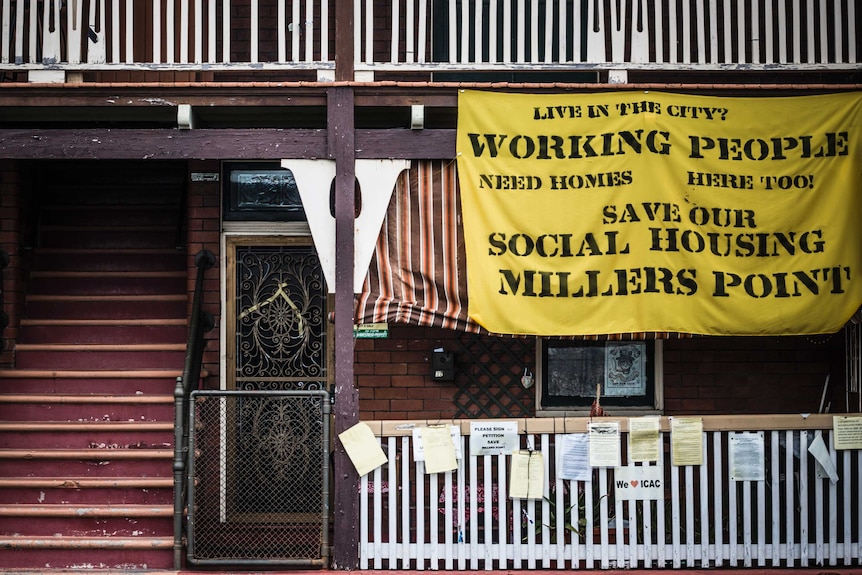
{"points": [[418, 274]]}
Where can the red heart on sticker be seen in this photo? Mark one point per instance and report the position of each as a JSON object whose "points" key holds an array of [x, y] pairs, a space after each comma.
{"points": [[634, 482]]}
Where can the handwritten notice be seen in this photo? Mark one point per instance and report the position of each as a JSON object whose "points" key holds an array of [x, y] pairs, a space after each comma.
{"points": [[847, 432], [439, 449], [574, 459], [746, 457], [686, 440], [644, 439], [418, 444], [527, 476], [362, 448], [604, 444], [497, 438]]}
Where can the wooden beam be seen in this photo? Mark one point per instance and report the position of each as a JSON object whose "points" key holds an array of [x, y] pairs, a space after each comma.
{"points": [[341, 149], [406, 144], [214, 144]]}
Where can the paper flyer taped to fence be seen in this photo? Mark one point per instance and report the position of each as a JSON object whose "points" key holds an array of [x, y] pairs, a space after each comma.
{"points": [[439, 449], [527, 479], [686, 440], [847, 432], [493, 438], [747, 462], [362, 448], [419, 447], [644, 438], [823, 458], [604, 444], [574, 461]]}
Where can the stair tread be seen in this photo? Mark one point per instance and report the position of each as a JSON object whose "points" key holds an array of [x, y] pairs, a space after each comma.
{"points": [[85, 482], [86, 453], [107, 251], [87, 425], [108, 274], [82, 542], [105, 228], [100, 347], [84, 398], [100, 297], [72, 510], [103, 322], [95, 374]]}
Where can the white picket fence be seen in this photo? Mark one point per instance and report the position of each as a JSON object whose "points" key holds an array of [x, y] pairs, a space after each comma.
{"points": [[424, 34], [464, 519]]}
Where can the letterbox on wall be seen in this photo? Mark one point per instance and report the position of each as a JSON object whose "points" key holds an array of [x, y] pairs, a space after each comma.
{"points": [[442, 365]]}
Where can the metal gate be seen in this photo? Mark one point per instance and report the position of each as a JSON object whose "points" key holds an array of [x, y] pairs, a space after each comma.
{"points": [[259, 478]]}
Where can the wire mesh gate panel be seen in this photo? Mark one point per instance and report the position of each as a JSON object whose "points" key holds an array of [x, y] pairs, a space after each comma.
{"points": [[259, 478]]}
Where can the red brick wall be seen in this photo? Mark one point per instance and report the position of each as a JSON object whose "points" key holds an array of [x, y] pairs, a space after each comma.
{"points": [[204, 214], [394, 375], [752, 374], [721, 375]]}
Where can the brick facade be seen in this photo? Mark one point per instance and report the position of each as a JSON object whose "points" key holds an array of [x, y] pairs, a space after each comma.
{"points": [[204, 233], [709, 375]]}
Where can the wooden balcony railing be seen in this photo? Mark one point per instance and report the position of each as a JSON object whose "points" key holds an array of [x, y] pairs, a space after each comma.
{"points": [[710, 515], [429, 35]]}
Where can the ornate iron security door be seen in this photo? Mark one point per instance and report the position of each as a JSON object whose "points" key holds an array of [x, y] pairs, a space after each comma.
{"points": [[278, 297], [262, 495]]}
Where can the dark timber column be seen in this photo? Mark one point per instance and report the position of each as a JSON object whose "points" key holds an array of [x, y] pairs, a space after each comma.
{"points": [[344, 48], [341, 139]]}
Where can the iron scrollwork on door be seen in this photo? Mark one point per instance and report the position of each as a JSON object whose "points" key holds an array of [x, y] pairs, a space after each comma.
{"points": [[280, 322]]}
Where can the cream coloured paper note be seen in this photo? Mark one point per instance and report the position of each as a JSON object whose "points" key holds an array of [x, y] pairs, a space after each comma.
{"points": [[362, 448], [528, 475], [439, 449], [686, 440], [644, 438]]}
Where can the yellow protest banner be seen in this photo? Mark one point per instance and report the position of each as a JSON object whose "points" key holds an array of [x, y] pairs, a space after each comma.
{"points": [[641, 211]]}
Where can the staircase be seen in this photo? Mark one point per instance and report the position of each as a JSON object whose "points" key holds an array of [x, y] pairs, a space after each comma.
{"points": [[86, 415]]}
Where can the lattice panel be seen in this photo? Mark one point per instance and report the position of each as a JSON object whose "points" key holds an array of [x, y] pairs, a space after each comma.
{"points": [[488, 374]]}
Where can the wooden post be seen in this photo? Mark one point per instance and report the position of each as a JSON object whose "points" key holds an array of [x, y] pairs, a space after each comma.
{"points": [[344, 46], [341, 148]]}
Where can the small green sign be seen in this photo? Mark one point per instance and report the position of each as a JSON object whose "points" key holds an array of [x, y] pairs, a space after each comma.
{"points": [[371, 331]]}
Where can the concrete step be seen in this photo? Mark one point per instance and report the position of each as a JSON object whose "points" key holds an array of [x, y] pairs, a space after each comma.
{"points": [[103, 331], [86, 554], [100, 520], [90, 407], [86, 490], [110, 236], [137, 307], [103, 462], [99, 356], [96, 259], [87, 434], [107, 282], [69, 382], [129, 215]]}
